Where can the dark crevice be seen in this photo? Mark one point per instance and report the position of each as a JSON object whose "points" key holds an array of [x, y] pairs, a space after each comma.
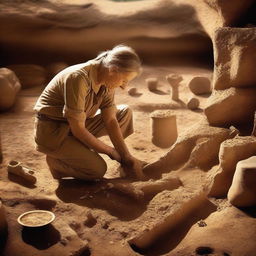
{"points": [[204, 250], [41, 238]]}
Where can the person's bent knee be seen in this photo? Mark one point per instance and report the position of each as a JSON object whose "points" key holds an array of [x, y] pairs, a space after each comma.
{"points": [[100, 168]]}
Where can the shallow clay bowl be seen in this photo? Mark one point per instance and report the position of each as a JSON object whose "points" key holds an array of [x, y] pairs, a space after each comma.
{"points": [[36, 218]]}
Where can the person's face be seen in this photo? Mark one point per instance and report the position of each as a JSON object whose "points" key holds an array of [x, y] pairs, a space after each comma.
{"points": [[117, 79]]}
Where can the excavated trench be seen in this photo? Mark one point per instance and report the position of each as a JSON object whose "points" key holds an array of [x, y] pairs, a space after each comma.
{"points": [[165, 236]]}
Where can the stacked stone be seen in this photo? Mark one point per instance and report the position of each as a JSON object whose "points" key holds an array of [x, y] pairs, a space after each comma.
{"points": [[231, 152], [234, 98], [242, 192]]}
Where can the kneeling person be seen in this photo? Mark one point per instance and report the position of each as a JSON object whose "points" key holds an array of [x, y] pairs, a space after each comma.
{"points": [[77, 107]]}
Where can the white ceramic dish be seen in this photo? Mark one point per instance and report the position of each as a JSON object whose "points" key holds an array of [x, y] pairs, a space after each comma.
{"points": [[36, 218]]}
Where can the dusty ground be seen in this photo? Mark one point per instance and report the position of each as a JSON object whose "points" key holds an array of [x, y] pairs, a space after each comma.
{"points": [[112, 217], [116, 217], [120, 209]]}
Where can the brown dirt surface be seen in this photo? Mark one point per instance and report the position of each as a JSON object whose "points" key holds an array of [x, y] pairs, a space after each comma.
{"points": [[118, 209]]}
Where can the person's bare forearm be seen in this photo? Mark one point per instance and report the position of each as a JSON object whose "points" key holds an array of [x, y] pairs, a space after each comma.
{"points": [[92, 142], [82, 134], [131, 165], [116, 137]]}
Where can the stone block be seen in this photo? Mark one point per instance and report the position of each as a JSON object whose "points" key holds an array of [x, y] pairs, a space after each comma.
{"points": [[231, 152], [200, 85], [242, 192], [232, 106], [234, 58]]}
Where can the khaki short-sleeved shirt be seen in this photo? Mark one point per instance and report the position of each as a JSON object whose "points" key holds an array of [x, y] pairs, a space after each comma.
{"points": [[73, 93]]}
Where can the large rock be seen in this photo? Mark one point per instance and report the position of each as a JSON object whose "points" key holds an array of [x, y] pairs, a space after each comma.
{"points": [[30, 75], [197, 147], [231, 106], [231, 152], [200, 85], [9, 87], [242, 192], [220, 13], [235, 57]]}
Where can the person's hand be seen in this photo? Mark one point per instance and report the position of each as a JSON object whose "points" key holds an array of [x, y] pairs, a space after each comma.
{"points": [[133, 167], [114, 155]]}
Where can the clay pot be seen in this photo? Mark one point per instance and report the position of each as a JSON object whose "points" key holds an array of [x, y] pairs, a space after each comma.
{"points": [[174, 81], [164, 128], [152, 83]]}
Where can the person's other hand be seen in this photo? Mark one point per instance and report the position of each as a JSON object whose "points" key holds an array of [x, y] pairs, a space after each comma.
{"points": [[114, 155], [133, 167]]}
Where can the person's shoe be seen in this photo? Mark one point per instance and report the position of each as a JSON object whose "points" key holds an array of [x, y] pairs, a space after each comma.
{"points": [[25, 173]]}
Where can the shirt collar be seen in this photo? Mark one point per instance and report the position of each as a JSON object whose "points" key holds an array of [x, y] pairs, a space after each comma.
{"points": [[93, 75]]}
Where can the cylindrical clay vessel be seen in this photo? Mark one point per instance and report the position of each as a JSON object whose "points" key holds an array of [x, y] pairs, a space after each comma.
{"points": [[164, 128], [152, 83]]}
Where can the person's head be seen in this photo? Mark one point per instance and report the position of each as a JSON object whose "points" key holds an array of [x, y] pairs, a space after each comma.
{"points": [[121, 65]]}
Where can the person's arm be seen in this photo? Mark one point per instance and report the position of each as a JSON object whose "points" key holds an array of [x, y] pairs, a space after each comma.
{"points": [[115, 134], [114, 131], [75, 92], [79, 130]]}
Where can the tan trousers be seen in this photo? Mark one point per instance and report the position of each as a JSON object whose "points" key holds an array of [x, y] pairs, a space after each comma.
{"points": [[74, 159]]}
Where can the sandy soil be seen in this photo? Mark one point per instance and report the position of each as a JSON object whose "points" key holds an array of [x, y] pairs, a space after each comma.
{"points": [[18, 144], [169, 216], [114, 216]]}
